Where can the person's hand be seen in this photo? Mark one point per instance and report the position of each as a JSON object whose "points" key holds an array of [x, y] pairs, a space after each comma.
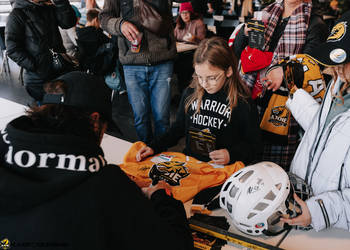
{"points": [[210, 10], [148, 191], [189, 37], [221, 156], [143, 153], [302, 220], [129, 31], [274, 78], [230, 11], [246, 29]]}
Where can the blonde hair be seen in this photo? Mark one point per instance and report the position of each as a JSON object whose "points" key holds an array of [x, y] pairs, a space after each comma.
{"points": [[217, 53]]}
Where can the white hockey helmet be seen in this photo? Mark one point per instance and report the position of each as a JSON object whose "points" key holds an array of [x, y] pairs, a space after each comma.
{"points": [[255, 198]]}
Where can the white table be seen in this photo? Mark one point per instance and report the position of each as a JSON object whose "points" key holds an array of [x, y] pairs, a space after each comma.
{"points": [[9, 110], [182, 47], [332, 239], [113, 147]]}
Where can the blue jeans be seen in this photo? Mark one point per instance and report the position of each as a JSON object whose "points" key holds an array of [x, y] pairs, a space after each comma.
{"points": [[148, 90]]}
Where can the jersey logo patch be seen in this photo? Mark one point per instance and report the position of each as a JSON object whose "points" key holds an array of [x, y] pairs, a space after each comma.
{"points": [[171, 171], [279, 116], [338, 32], [5, 244]]}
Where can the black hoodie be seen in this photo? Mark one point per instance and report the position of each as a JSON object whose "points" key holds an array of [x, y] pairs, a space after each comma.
{"points": [[92, 52], [58, 192], [236, 130]]}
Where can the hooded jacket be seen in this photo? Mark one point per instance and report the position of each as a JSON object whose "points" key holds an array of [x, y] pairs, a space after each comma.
{"points": [[57, 191], [31, 30], [323, 159], [91, 42]]}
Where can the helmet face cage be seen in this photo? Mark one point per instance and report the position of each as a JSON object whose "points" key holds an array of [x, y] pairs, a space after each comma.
{"points": [[303, 191], [255, 198]]}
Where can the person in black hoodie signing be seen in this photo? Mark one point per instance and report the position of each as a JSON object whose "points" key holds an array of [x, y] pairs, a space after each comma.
{"points": [[58, 191], [216, 113], [31, 32]]}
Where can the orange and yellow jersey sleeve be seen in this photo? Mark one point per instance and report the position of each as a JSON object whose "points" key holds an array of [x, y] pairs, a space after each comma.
{"points": [[186, 175]]}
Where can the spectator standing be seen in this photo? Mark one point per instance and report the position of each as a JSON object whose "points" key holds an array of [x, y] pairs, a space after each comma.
{"points": [[147, 68], [215, 7], [235, 7], [247, 8], [31, 31], [292, 27], [90, 43], [54, 175], [69, 37], [200, 7]]}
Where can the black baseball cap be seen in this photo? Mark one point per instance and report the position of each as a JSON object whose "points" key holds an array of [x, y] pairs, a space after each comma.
{"points": [[87, 92], [336, 50]]}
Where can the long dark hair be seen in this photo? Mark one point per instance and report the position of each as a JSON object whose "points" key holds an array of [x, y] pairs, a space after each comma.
{"points": [[62, 119], [181, 24], [217, 53]]}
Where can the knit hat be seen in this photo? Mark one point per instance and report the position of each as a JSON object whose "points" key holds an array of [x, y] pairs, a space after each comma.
{"points": [[336, 49], [186, 7]]}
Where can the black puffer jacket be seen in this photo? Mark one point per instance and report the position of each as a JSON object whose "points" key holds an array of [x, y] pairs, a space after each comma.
{"points": [[31, 30]]}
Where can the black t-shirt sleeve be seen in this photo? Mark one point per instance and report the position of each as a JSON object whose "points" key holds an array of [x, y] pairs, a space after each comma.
{"points": [[247, 147]]}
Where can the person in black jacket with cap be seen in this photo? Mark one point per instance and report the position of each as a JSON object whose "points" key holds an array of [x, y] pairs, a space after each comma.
{"points": [[31, 31], [58, 191]]}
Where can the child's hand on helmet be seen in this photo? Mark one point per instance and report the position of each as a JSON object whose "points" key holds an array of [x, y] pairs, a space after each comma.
{"points": [[302, 220]]}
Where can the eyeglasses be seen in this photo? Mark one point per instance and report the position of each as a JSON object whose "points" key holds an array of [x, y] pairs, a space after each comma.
{"points": [[208, 79], [185, 12]]}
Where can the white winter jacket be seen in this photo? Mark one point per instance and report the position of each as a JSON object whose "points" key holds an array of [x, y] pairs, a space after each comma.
{"points": [[323, 159]]}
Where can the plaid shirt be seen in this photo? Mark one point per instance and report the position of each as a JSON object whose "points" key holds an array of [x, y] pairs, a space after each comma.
{"points": [[292, 39], [291, 42]]}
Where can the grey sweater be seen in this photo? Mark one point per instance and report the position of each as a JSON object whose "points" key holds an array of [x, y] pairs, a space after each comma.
{"points": [[154, 49]]}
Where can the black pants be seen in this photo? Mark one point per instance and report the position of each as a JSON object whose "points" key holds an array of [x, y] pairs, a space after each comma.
{"points": [[183, 68], [34, 85]]}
